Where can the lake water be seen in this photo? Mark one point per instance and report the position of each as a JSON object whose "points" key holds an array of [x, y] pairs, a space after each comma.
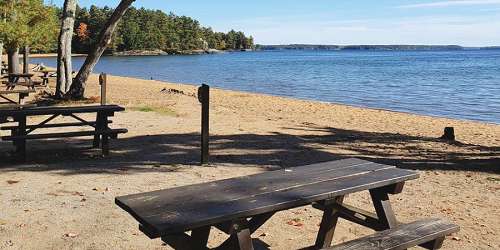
{"points": [[455, 84]]}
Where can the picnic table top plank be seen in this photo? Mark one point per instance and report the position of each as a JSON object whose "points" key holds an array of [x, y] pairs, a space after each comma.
{"points": [[19, 75], [17, 91], [62, 110], [252, 185], [161, 213]]}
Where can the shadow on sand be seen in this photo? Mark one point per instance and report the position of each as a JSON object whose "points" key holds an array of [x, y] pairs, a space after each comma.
{"points": [[319, 144]]}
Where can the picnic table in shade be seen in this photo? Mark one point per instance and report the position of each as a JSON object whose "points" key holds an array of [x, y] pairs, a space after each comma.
{"points": [[14, 80], [240, 206], [22, 131], [20, 93]]}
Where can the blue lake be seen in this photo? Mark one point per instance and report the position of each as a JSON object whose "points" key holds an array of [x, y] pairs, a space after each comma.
{"points": [[455, 84]]}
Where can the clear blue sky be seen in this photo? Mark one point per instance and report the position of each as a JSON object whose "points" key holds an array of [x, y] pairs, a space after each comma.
{"points": [[463, 22]]}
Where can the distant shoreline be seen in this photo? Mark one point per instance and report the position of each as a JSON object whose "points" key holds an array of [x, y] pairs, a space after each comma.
{"points": [[373, 47]]}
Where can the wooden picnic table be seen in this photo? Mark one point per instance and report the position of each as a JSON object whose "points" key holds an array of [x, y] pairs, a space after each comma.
{"points": [[14, 80], [239, 206], [22, 132], [20, 93]]}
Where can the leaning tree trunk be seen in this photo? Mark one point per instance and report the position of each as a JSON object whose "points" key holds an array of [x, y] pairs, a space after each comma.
{"points": [[78, 87], [64, 63], [13, 59]]}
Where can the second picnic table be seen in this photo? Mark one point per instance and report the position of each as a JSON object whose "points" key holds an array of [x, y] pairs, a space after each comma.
{"points": [[239, 206], [21, 95], [14, 80], [21, 132]]}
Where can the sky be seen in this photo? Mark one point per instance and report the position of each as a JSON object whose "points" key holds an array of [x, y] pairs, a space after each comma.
{"points": [[461, 22]]}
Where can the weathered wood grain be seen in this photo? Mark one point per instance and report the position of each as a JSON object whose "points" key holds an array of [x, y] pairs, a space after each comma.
{"points": [[403, 236], [61, 110], [185, 208]]}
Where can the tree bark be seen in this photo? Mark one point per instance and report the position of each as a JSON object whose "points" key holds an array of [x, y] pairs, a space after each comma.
{"points": [[64, 62], [78, 87], [26, 60], [13, 59]]}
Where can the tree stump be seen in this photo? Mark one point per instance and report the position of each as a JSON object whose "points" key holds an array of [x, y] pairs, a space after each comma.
{"points": [[449, 134]]}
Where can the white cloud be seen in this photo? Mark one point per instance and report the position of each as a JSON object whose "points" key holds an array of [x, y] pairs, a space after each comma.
{"points": [[450, 4]]}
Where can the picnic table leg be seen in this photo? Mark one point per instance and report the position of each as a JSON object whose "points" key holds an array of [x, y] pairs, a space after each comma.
{"points": [[243, 235], [105, 136], [98, 127], [435, 244], [200, 237], [21, 143], [382, 204], [21, 98], [328, 224]]}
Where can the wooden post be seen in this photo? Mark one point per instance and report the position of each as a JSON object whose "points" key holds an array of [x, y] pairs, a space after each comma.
{"points": [[449, 134], [102, 81], [26, 69], [204, 98]]}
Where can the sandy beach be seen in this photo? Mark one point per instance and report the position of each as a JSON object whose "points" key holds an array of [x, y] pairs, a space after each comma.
{"points": [[63, 196]]}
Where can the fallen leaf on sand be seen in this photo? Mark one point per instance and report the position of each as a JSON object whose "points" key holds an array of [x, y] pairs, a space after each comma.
{"points": [[12, 182], [70, 235], [78, 193], [295, 222], [9, 243], [456, 239]]}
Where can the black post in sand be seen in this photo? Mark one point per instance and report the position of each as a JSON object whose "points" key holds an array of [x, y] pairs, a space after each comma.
{"points": [[449, 134], [103, 78], [204, 98]]}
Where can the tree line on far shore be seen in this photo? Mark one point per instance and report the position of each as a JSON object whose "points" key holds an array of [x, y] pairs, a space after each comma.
{"points": [[144, 29]]}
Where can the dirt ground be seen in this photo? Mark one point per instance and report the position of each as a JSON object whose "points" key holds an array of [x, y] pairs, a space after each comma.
{"points": [[63, 196]]}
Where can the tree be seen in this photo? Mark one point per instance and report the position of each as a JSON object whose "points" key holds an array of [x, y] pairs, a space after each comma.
{"points": [[78, 87], [82, 32], [64, 63], [26, 23]]}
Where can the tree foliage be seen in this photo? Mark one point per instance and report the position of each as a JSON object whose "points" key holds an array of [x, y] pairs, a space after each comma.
{"points": [[28, 23], [143, 29]]}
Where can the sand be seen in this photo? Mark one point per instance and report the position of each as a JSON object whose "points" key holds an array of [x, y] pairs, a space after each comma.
{"points": [[63, 197]]}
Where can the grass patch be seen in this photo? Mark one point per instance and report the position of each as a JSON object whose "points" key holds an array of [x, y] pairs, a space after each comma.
{"points": [[163, 110]]}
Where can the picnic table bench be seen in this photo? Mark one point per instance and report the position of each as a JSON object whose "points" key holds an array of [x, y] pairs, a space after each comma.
{"points": [[239, 206], [22, 132]]}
